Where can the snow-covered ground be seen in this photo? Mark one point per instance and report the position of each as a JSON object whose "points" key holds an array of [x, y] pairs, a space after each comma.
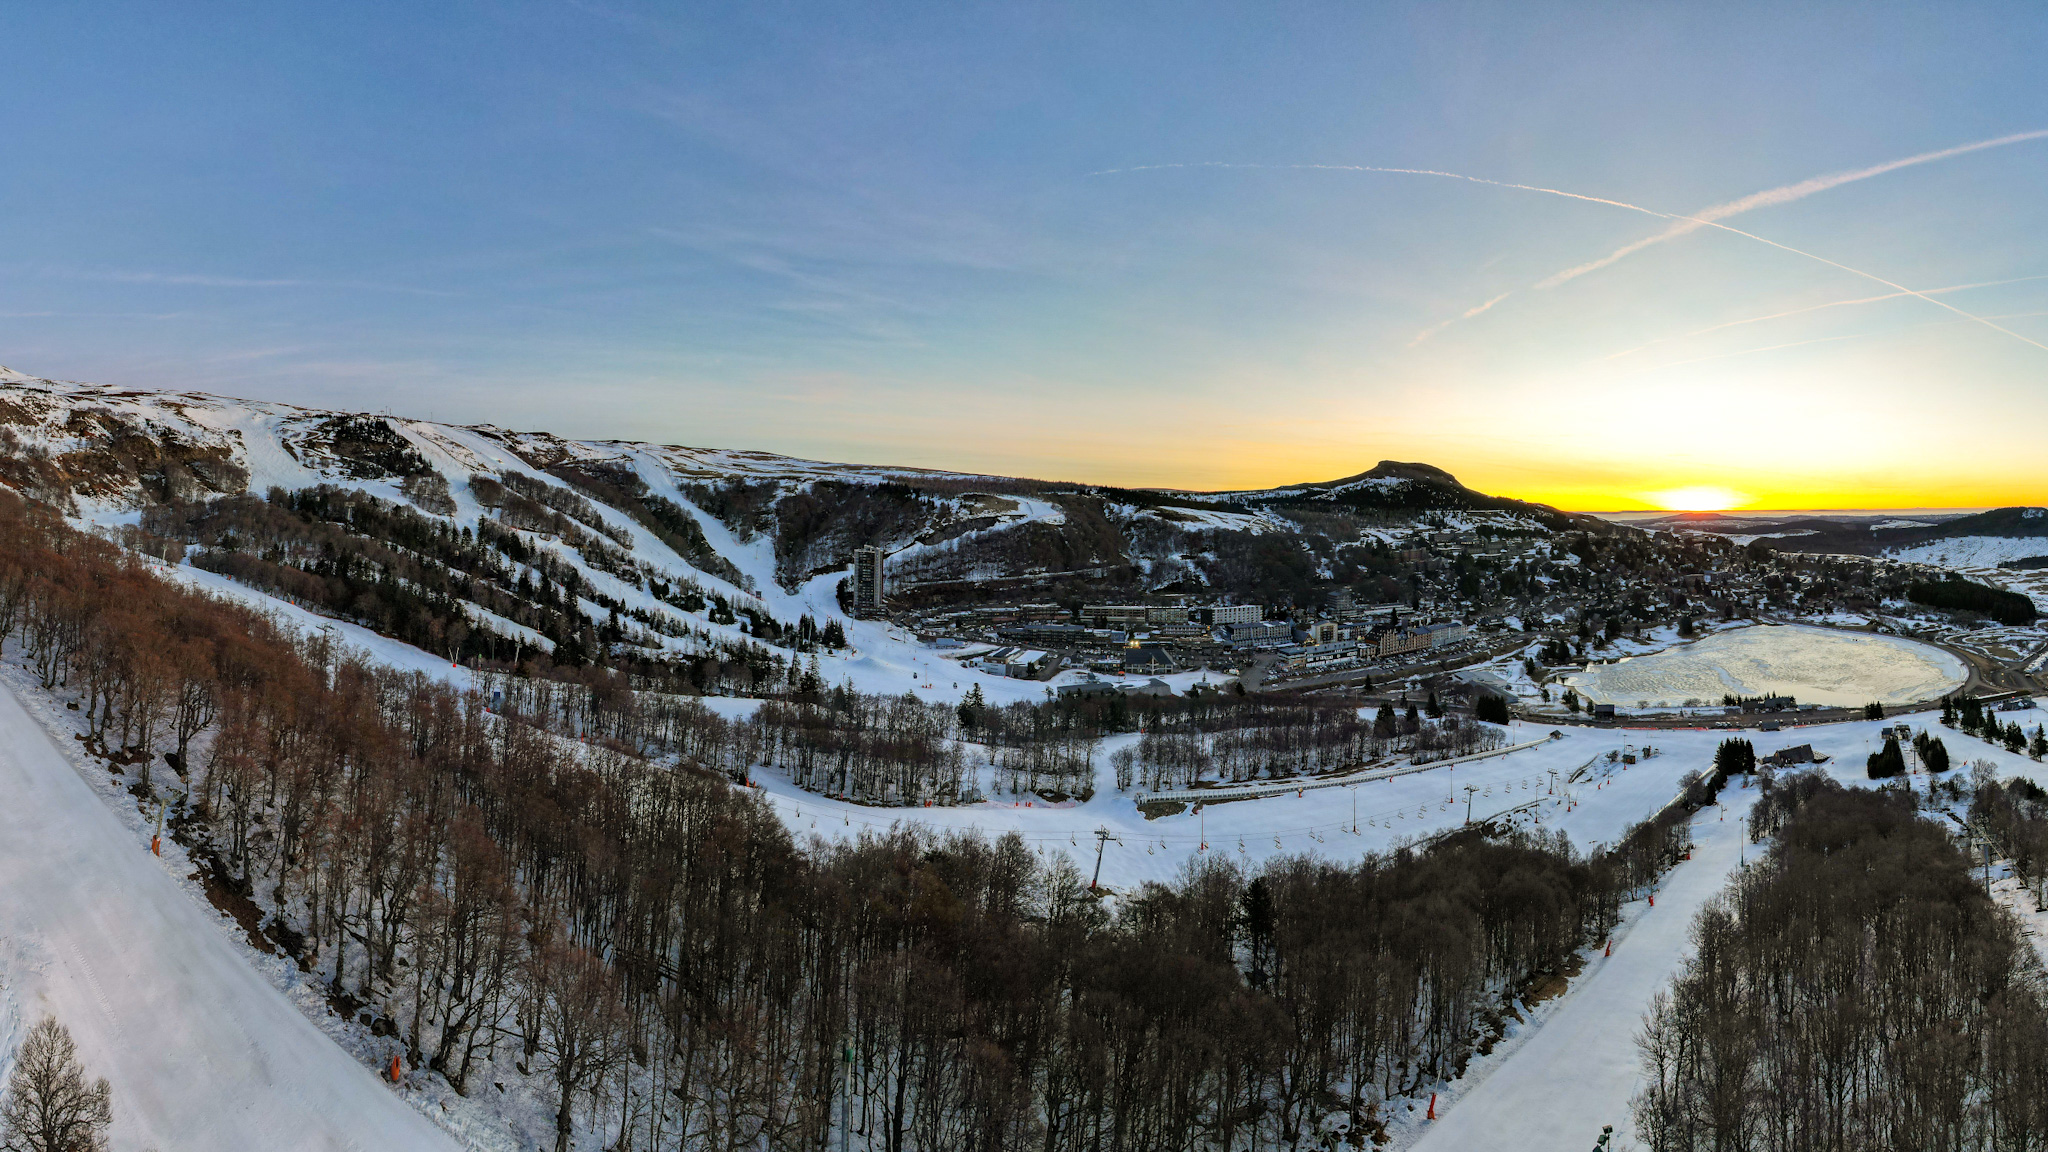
{"points": [[1605, 800], [1813, 665], [1973, 551], [1554, 1081], [201, 1051], [1387, 812], [2009, 891]]}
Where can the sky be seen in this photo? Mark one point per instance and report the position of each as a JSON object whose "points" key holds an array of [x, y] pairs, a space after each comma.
{"points": [[1633, 250]]}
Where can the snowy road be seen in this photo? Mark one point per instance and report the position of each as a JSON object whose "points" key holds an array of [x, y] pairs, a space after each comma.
{"points": [[202, 1052], [1578, 1070]]}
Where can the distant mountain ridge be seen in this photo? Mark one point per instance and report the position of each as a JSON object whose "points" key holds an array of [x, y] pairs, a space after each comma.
{"points": [[653, 533], [110, 442], [1870, 536]]}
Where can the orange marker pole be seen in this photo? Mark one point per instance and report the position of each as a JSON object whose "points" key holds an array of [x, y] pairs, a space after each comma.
{"points": [[394, 1069], [1432, 1106]]}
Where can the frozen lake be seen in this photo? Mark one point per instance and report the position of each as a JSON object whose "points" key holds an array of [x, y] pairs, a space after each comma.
{"points": [[1812, 665]]}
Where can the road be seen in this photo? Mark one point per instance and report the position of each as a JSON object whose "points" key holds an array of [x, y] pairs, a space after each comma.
{"points": [[1578, 1070], [202, 1051]]}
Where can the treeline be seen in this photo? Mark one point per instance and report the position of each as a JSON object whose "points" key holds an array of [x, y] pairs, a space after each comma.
{"points": [[649, 940], [875, 749], [1315, 740], [1957, 594], [899, 750], [1972, 716], [1855, 989]]}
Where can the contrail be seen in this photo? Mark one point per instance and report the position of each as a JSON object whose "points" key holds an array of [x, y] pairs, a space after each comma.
{"points": [[1833, 339], [1822, 307], [1771, 348], [1469, 313], [1685, 225], [1881, 280], [1397, 172], [1681, 224]]}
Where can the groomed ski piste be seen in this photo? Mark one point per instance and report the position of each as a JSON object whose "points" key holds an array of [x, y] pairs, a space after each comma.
{"points": [[201, 1050]]}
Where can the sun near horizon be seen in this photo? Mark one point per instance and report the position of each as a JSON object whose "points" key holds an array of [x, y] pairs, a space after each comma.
{"points": [[1699, 498]]}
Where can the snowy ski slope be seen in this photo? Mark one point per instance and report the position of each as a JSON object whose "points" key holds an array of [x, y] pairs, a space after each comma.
{"points": [[202, 1052], [1554, 1085]]}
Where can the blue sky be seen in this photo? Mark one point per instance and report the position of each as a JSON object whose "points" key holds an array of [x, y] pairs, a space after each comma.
{"points": [[943, 235]]}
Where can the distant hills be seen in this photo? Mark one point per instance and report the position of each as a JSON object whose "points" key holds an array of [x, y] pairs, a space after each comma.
{"points": [[648, 522], [1871, 535]]}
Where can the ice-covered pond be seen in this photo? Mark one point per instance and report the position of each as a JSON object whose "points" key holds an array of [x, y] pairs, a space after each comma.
{"points": [[1813, 665]]}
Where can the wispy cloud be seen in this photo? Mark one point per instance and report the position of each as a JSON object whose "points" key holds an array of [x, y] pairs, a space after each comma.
{"points": [[192, 280], [1686, 225], [208, 280]]}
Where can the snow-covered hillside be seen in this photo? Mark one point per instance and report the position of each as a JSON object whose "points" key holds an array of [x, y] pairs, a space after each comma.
{"points": [[202, 1052], [1973, 551]]}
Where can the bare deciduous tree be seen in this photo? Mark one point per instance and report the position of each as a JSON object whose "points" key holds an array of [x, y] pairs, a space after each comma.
{"points": [[49, 1106]]}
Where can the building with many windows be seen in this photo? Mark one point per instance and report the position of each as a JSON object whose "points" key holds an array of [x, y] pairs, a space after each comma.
{"points": [[867, 580], [1276, 632]]}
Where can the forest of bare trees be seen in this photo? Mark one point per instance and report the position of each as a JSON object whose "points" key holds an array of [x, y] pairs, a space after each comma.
{"points": [[899, 750], [1857, 988]]}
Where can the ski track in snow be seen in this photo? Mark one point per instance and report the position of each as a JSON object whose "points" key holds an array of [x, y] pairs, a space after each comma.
{"points": [[201, 1051], [1559, 1081]]}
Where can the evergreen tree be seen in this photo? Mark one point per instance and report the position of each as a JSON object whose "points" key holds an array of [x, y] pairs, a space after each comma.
{"points": [[1886, 762], [970, 709], [1933, 753], [1734, 755]]}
